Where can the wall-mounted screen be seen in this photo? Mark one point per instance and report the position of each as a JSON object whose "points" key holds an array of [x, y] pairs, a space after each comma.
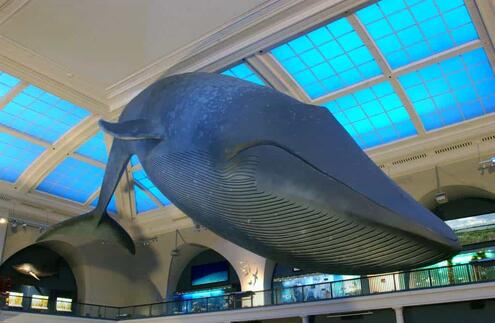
{"points": [[39, 302], [210, 273], [14, 299], [64, 304]]}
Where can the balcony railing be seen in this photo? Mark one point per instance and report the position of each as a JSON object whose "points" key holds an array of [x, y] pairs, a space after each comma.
{"points": [[476, 272]]}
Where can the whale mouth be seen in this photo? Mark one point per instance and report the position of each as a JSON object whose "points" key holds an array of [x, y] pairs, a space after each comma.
{"points": [[443, 235]]}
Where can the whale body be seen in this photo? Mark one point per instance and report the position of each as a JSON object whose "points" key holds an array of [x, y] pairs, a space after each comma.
{"points": [[273, 175]]}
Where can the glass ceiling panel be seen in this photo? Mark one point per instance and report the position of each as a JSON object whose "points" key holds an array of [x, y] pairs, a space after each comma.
{"points": [[112, 206], [327, 59], [143, 202], [141, 177], [7, 82], [451, 91], [408, 30], [373, 116], [244, 72], [95, 148], [73, 179], [41, 114], [15, 156]]}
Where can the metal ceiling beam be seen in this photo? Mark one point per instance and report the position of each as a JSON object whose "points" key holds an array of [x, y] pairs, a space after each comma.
{"points": [[479, 24], [269, 69], [449, 53], [52, 156], [348, 90], [387, 71], [149, 195], [24, 136], [12, 93]]}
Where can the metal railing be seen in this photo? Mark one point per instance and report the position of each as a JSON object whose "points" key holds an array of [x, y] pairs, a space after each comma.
{"points": [[475, 272], [35, 305]]}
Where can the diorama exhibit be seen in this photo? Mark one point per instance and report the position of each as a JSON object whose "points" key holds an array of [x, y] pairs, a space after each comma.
{"points": [[247, 160]]}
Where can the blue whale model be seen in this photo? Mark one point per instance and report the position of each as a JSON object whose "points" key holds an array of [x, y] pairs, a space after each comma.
{"points": [[273, 175]]}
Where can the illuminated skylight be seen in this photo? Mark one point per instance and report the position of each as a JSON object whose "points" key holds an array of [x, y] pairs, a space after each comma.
{"points": [[95, 148], [327, 59], [7, 82], [73, 179], [244, 72], [408, 30], [41, 114], [141, 177], [15, 156], [454, 90], [373, 116], [143, 202], [112, 206]]}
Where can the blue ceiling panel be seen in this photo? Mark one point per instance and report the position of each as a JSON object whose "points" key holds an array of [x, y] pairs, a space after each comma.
{"points": [[373, 116], [143, 202], [244, 72], [95, 148], [7, 82], [41, 114], [327, 59], [15, 156], [141, 177], [409, 30], [112, 206], [73, 179], [453, 90]]}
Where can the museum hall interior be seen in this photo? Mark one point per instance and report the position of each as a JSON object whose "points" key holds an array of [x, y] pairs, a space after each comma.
{"points": [[247, 161]]}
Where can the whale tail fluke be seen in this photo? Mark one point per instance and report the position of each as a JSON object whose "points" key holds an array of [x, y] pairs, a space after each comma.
{"points": [[97, 226]]}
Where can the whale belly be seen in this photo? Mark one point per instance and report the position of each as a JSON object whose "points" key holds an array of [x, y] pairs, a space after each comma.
{"points": [[275, 204]]}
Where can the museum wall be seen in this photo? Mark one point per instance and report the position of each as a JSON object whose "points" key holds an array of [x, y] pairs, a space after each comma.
{"points": [[108, 274]]}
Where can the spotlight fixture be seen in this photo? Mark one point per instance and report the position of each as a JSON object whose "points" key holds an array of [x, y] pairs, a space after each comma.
{"points": [[14, 224]]}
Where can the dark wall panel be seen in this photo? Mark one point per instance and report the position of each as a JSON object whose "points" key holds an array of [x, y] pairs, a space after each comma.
{"points": [[464, 312]]}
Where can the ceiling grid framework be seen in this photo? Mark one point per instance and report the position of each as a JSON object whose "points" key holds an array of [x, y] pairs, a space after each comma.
{"points": [[387, 72]]}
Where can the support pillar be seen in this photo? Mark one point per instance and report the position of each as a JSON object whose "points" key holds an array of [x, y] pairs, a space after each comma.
{"points": [[305, 319], [4, 224], [399, 315]]}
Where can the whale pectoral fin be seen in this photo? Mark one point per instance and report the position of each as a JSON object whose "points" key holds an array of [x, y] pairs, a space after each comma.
{"points": [[132, 129], [97, 223]]}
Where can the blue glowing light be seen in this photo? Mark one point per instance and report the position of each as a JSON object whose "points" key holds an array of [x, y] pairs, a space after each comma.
{"points": [[143, 202], [95, 148], [202, 294], [327, 59], [15, 156], [409, 30], [453, 90], [373, 116], [73, 179], [7, 82], [41, 114], [244, 72]]}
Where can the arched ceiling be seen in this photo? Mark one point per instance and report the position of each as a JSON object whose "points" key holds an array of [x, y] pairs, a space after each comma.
{"points": [[399, 75]]}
